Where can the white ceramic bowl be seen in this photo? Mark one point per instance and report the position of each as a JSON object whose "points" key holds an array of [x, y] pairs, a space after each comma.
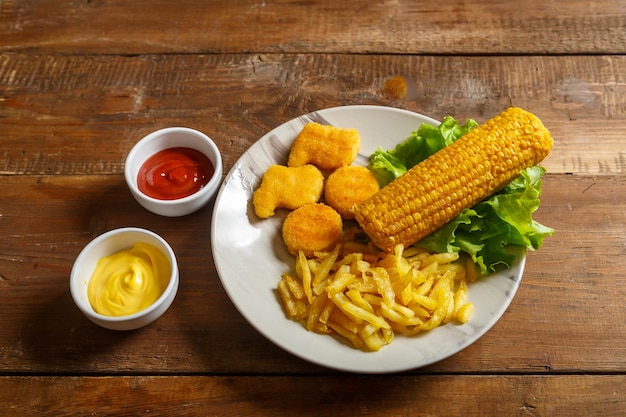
{"points": [[107, 244], [173, 137]]}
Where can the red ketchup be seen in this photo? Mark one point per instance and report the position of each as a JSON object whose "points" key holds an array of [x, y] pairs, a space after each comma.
{"points": [[174, 173]]}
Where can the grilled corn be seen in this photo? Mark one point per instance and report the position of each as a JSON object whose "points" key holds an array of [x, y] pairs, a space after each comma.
{"points": [[460, 175]]}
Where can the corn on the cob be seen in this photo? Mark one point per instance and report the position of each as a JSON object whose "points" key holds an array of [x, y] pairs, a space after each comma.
{"points": [[460, 175]]}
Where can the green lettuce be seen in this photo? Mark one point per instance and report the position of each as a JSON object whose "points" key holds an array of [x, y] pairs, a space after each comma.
{"points": [[428, 139], [485, 230]]}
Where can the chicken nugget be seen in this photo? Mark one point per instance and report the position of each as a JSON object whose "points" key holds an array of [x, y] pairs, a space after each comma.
{"points": [[326, 147], [348, 186], [287, 187], [311, 228]]}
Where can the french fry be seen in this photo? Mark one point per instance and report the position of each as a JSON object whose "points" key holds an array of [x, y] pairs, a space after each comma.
{"points": [[425, 301], [383, 283], [320, 287], [343, 277], [460, 296], [426, 286], [373, 299], [388, 335], [372, 338], [325, 266], [315, 312], [464, 313], [339, 318], [356, 341], [327, 310], [403, 310], [366, 298], [441, 258], [359, 314], [470, 268], [288, 301], [295, 287], [322, 328], [396, 317], [406, 295], [306, 276], [357, 298], [294, 308], [421, 312]]}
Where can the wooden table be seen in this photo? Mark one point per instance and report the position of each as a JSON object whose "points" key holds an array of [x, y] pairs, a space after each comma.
{"points": [[82, 81]]}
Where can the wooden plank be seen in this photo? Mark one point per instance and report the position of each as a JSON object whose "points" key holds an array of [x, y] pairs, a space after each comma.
{"points": [[557, 396], [82, 114], [402, 27], [566, 317], [566, 312]]}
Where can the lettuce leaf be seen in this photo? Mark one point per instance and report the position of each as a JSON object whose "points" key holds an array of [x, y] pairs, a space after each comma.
{"points": [[483, 231], [428, 139]]}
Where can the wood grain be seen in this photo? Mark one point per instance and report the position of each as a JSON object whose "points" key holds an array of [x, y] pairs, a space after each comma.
{"points": [[410, 396], [82, 114], [291, 26], [81, 81], [566, 317]]}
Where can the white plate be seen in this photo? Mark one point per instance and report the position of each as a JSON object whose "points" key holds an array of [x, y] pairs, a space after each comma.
{"points": [[250, 255]]}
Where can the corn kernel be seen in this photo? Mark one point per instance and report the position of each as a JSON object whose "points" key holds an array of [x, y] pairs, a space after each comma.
{"points": [[460, 175]]}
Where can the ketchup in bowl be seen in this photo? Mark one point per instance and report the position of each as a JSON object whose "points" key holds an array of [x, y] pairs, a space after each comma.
{"points": [[174, 173]]}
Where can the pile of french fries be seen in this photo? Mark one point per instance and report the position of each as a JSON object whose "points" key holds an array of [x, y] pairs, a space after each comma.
{"points": [[367, 296]]}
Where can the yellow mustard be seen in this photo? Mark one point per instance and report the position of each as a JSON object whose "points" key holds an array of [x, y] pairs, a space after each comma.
{"points": [[129, 280]]}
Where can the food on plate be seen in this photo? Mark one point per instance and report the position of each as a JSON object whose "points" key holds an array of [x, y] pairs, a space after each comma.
{"points": [[287, 187], [486, 230], [432, 215], [326, 147], [366, 296], [129, 280], [348, 186], [311, 228], [468, 170]]}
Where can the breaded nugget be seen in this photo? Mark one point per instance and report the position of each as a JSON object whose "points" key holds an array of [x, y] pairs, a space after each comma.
{"points": [[311, 228], [326, 147], [348, 186], [288, 187]]}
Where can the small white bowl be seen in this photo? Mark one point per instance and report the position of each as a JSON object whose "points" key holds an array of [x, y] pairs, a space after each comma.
{"points": [[173, 137], [107, 244]]}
